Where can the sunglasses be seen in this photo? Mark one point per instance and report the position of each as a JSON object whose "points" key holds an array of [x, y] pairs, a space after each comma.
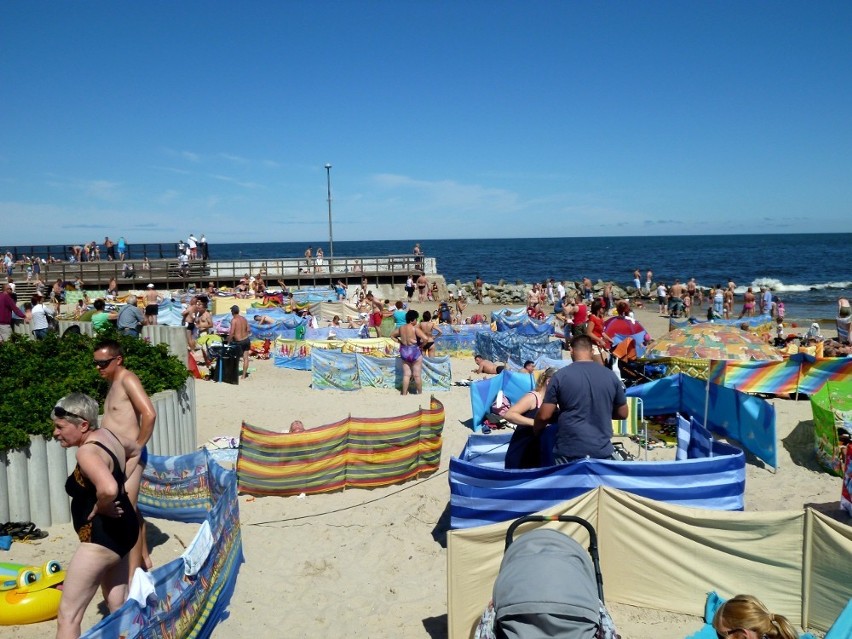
{"points": [[61, 413], [733, 632], [103, 363]]}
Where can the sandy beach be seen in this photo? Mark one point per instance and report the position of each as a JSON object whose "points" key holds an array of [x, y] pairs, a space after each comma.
{"points": [[372, 563]]}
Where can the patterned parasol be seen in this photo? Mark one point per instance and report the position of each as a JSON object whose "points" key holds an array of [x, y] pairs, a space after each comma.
{"points": [[620, 325], [711, 341]]}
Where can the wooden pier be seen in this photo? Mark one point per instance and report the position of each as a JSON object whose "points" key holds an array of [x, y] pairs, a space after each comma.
{"points": [[168, 274]]}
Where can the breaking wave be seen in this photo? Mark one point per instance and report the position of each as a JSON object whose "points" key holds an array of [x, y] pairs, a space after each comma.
{"points": [[780, 287]]}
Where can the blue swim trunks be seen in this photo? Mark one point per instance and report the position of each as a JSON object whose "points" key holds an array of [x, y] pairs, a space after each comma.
{"points": [[143, 457]]}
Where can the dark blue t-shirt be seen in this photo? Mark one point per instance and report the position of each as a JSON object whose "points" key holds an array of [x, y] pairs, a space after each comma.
{"points": [[586, 394]]}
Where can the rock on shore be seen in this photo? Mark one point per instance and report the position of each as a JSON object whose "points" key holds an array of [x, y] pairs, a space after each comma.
{"points": [[504, 293]]}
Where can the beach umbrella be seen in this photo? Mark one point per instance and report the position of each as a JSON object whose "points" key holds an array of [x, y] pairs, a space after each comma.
{"points": [[620, 325], [711, 341]]}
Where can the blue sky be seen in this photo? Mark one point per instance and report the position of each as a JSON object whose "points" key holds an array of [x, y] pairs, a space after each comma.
{"points": [[153, 120]]}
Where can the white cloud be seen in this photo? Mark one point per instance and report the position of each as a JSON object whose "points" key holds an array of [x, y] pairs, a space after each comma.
{"points": [[451, 195], [236, 159], [232, 180], [168, 196]]}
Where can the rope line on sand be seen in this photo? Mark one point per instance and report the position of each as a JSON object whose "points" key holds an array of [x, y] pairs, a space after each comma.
{"points": [[345, 508]]}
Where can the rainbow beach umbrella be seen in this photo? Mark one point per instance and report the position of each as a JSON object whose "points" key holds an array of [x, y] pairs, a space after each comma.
{"points": [[710, 341]]}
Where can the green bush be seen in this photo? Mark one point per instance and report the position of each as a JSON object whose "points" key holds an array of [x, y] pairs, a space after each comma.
{"points": [[34, 375]]}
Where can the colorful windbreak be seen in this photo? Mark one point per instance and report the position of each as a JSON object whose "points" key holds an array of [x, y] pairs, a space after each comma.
{"points": [[832, 409], [192, 591], [356, 452]]}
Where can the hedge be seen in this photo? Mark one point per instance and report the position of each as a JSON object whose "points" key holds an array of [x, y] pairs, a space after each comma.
{"points": [[34, 375]]}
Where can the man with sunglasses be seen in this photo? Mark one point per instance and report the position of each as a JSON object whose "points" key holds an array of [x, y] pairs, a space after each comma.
{"points": [[128, 411]]}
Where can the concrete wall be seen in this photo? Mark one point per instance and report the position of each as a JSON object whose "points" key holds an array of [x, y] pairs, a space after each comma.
{"points": [[32, 479]]}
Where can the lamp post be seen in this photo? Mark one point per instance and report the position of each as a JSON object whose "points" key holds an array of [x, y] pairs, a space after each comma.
{"points": [[330, 232]]}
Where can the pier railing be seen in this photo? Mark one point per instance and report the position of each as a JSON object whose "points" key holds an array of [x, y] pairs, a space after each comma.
{"points": [[298, 271]]}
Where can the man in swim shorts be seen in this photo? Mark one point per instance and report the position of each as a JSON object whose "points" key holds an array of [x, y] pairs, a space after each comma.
{"points": [[486, 366], [129, 413], [377, 312], [152, 305], [408, 336], [240, 335]]}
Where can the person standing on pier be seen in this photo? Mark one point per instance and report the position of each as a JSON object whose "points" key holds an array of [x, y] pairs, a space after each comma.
{"points": [[202, 244], [418, 257], [308, 254], [192, 242]]}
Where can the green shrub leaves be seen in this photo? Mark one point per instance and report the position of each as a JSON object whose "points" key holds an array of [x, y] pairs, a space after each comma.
{"points": [[35, 374]]}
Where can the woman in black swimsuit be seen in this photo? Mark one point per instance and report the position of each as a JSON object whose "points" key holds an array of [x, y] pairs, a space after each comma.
{"points": [[102, 514], [525, 446]]}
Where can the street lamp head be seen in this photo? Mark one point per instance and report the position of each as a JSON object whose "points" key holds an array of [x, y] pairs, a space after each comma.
{"points": [[328, 166]]}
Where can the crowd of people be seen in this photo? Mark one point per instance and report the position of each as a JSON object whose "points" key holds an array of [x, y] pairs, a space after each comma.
{"points": [[581, 400]]}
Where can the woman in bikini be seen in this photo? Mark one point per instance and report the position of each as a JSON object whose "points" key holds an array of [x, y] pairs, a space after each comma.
{"points": [[525, 446], [408, 336], [101, 512]]}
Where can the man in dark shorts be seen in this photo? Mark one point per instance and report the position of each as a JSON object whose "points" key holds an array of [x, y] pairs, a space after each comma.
{"points": [[152, 305], [486, 366], [583, 398], [240, 335]]}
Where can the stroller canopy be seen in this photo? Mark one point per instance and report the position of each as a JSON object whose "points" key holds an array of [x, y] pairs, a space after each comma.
{"points": [[546, 588]]}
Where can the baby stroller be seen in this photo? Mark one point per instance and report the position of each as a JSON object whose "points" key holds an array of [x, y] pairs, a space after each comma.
{"points": [[548, 586]]}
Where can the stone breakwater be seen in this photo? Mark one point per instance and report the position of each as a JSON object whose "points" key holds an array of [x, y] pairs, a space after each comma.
{"points": [[503, 293]]}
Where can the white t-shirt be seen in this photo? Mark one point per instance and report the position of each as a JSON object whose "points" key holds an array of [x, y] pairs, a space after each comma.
{"points": [[40, 313], [661, 291]]}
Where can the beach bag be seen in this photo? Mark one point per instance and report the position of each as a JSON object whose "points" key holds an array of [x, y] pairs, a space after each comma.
{"points": [[501, 404]]}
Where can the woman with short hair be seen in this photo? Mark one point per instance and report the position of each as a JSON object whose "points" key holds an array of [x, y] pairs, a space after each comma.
{"points": [[101, 512]]}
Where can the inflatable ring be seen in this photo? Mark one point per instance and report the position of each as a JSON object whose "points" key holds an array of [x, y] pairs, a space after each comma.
{"points": [[29, 594]]}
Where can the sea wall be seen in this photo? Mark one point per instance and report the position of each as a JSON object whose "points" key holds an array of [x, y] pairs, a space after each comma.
{"points": [[504, 293], [32, 479]]}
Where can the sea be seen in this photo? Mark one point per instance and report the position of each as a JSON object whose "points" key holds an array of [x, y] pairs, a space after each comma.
{"points": [[807, 271]]}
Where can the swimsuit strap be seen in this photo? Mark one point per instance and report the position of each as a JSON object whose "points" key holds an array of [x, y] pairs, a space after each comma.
{"points": [[116, 465], [533, 393]]}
